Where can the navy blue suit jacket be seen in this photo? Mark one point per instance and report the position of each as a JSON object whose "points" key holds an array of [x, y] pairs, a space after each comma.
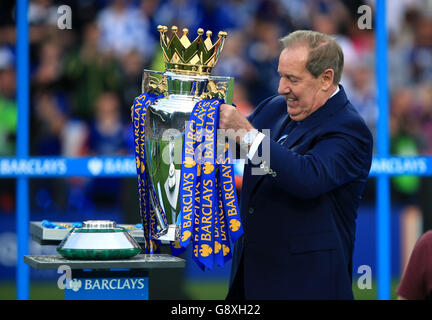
{"points": [[299, 220]]}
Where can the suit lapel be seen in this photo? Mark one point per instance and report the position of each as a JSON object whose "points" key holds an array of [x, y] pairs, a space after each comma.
{"points": [[330, 107], [280, 126], [275, 133], [298, 132]]}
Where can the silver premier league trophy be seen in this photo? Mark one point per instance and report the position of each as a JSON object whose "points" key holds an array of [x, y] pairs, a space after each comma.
{"points": [[186, 189]]}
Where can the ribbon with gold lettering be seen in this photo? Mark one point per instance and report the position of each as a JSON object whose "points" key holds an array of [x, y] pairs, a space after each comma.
{"points": [[208, 188], [189, 174], [224, 235], [189, 178], [209, 215], [218, 243], [198, 119], [229, 196], [196, 224], [145, 189], [207, 184]]}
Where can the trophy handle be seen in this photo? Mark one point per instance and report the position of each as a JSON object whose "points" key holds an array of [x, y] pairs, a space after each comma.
{"points": [[230, 91], [203, 87], [154, 82]]}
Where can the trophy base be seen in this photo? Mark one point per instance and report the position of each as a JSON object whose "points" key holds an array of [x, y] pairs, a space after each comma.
{"points": [[169, 234]]}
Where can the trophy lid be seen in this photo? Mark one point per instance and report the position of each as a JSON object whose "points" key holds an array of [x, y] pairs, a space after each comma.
{"points": [[197, 57]]}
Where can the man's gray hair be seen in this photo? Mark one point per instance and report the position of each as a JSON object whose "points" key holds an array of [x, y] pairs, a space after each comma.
{"points": [[324, 52]]}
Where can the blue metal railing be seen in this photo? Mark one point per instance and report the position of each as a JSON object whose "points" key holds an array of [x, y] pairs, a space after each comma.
{"points": [[383, 185], [22, 148]]}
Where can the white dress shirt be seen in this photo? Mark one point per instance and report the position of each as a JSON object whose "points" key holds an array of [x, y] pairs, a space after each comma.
{"points": [[260, 136]]}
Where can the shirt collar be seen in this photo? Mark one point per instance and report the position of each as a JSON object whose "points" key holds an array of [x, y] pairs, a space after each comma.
{"points": [[336, 91]]}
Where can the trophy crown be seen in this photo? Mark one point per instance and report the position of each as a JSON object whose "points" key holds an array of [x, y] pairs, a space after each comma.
{"points": [[182, 56]]}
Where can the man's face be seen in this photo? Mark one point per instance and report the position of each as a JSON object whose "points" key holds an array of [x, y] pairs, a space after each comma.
{"points": [[302, 91]]}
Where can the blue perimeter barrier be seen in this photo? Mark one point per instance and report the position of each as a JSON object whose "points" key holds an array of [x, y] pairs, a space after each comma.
{"points": [[383, 147], [124, 166]]}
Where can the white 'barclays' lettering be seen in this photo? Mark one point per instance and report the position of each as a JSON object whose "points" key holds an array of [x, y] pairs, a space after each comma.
{"points": [[112, 166], [114, 284], [400, 166], [32, 167]]}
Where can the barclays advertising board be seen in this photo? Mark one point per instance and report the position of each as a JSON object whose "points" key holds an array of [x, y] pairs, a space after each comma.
{"points": [[112, 288], [64, 167], [126, 166], [401, 166]]}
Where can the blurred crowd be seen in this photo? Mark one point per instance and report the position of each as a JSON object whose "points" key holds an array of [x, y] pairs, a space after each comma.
{"points": [[84, 79]]}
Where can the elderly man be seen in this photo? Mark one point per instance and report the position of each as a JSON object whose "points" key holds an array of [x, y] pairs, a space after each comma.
{"points": [[299, 209]]}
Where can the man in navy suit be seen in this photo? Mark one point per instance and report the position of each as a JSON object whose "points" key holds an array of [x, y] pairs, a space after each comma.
{"points": [[299, 205]]}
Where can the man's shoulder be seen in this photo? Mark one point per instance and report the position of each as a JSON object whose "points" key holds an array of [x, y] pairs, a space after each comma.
{"points": [[348, 124], [350, 119], [276, 103], [357, 118]]}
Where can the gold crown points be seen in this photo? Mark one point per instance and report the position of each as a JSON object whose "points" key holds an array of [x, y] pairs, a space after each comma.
{"points": [[197, 57]]}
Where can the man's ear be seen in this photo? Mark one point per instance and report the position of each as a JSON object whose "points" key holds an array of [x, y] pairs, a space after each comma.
{"points": [[326, 79]]}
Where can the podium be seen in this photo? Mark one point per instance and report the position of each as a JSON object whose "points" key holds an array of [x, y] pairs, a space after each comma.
{"points": [[124, 279]]}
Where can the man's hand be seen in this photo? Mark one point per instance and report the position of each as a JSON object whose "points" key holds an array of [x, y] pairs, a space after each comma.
{"points": [[231, 118]]}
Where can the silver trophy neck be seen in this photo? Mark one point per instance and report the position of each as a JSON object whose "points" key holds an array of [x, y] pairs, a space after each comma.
{"points": [[98, 224], [179, 84], [185, 77]]}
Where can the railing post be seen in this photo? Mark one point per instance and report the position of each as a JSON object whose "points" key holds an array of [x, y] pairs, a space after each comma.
{"points": [[22, 147], [383, 185]]}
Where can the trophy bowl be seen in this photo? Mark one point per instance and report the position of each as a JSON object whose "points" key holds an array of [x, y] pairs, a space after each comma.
{"points": [[164, 131]]}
